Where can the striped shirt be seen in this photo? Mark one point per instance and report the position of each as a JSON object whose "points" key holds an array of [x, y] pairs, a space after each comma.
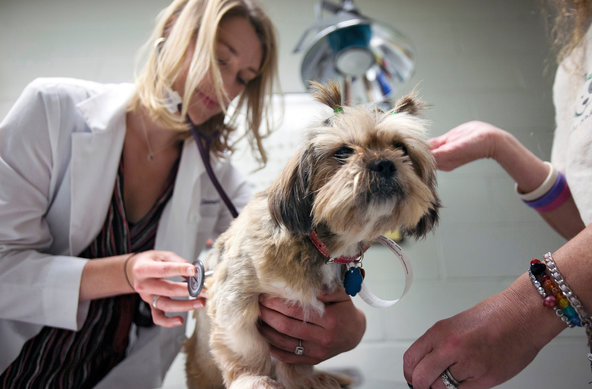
{"points": [[60, 358]]}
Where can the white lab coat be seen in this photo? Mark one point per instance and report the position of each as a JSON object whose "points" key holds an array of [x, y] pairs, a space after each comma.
{"points": [[60, 147]]}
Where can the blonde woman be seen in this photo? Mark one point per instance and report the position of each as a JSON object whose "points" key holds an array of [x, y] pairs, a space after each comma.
{"points": [[104, 198], [493, 341]]}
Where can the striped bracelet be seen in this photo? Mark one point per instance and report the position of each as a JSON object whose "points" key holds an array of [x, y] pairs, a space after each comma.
{"points": [[552, 193]]}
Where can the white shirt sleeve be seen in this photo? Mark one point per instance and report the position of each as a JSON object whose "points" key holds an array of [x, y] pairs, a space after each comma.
{"points": [[35, 287]]}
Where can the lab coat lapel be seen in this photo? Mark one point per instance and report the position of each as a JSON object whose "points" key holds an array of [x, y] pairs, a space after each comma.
{"points": [[179, 222], [95, 161]]}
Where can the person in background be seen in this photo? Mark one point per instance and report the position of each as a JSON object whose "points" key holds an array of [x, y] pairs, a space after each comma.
{"points": [[105, 199], [497, 338]]}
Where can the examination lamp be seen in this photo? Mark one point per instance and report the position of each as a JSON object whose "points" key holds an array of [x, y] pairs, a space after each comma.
{"points": [[370, 60]]}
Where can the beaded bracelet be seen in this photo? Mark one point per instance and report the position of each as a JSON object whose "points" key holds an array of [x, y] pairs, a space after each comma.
{"points": [[585, 319], [553, 296], [573, 313]]}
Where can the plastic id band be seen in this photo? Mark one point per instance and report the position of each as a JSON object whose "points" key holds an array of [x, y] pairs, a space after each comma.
{"points": [[377, 302]]}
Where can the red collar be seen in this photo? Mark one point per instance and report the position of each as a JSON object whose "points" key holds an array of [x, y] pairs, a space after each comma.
{"points": [[322, 247]]}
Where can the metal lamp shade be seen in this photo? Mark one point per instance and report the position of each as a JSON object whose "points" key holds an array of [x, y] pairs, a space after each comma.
{"points": [[371, 60]]}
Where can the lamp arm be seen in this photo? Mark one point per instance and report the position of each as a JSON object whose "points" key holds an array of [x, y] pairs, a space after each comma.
{"points": [[348, 6], [327, 5]]}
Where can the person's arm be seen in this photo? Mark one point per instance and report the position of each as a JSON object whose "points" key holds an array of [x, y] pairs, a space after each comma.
{"points": [[493, 341], [528, 171], [475, 140]]}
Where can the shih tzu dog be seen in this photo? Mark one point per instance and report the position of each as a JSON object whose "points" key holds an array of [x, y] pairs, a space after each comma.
{"points": [[361, 173]]}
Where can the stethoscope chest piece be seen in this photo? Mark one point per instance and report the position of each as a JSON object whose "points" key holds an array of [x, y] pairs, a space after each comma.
{"points": [[195, 283]]}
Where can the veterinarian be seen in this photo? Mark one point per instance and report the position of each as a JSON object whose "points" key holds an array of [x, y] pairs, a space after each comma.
{"points": [[105, 197], [494, 340]]}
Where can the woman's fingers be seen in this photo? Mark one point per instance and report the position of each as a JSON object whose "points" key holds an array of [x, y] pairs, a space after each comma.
{"points": [[284, 322], [161, 264], [161, 305], [283, 347], [152, 272], [166, 304], [160, 287]]}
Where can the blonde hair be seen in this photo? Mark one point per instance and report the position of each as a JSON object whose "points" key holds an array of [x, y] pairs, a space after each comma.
{"points": [[569, 22], [187, 22]]}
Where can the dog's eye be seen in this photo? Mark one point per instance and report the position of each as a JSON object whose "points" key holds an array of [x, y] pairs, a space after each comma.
{"points": [[343, 153], [402, 147]]}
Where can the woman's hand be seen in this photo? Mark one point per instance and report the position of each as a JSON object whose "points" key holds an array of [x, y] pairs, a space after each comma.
{"points": [[147, 271], [465, 143], [485, 345], [340, 329]]}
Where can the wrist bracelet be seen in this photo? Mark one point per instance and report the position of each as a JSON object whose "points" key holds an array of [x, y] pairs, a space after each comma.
{"points": [[553, 296], [557, 195], [567, 292], [579, 316], [543, 188], [125, 271], [544, 295], [553, 192]]}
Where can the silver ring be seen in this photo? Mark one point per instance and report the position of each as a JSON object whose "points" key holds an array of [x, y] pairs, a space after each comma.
{"points": [[154, 300], [299, 350], [449, 381]]}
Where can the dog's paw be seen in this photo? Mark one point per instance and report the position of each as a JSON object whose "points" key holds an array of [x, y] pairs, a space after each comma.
{"points": [[325, 380], [255, 382]]}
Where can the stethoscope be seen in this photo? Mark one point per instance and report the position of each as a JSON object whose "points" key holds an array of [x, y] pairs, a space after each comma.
{"points": [[195, 283]]}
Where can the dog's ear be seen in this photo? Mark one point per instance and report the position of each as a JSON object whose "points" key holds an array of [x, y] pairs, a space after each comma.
{"points": [[290, 199], [426, 223], [329, 94], [430, 218], [410, 104]]}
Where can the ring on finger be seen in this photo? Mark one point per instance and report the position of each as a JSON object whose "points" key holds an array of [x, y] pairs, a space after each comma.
{"points": [[154, 300], [299, 350], [448, 379]]}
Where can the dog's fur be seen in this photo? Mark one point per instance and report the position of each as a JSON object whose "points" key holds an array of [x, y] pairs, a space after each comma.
{"points": [[361, 173]]}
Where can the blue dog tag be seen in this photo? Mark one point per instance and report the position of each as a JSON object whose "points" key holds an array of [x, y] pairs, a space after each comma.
{"points": [[353, 281]]}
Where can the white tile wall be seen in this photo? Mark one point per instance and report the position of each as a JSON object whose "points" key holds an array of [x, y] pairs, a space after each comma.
{"points": [[477, 59]]}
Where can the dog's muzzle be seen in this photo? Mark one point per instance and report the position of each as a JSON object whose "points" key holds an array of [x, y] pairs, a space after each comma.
{"points": [[383, 180], [383, 168]]}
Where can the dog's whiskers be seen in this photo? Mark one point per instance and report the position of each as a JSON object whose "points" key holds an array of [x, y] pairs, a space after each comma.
{"points": [[356, 182]]}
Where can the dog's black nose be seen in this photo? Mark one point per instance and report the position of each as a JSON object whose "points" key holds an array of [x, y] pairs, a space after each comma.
{"points": [[384, 167]]}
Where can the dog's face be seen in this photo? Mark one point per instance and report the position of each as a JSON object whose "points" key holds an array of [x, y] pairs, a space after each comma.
{"points": [[361, 173]]}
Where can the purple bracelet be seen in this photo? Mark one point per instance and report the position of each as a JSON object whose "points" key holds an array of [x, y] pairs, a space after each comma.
{"points": [[555, 197]]}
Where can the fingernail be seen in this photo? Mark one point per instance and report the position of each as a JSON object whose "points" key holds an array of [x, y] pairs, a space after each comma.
{"points": [[190, 271], [198, 304]]}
